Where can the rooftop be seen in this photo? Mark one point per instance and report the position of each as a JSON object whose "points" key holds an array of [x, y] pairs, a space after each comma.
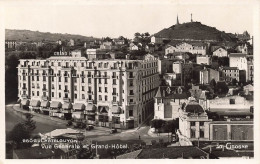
{"points": [[185, 152]]}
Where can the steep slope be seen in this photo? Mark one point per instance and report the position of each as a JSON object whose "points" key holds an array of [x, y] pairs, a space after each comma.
{"points": [[27, 35], [195, 31]]}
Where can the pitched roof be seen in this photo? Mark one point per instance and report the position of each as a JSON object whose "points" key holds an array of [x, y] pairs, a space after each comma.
{"points": [[170, 152], [34, 153], [131, 155], [237, 55]]}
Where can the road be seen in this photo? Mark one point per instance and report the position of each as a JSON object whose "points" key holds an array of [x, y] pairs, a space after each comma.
{"points": [[46, 124]]}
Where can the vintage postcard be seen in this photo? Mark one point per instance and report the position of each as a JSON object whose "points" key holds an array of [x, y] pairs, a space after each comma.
{"points": [[130, 80]]}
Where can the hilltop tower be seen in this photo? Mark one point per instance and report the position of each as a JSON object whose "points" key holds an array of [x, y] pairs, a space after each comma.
{"points": [[191, 18], [177, 20]]}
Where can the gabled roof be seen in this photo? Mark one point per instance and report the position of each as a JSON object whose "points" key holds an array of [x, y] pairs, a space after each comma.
{"points": [[174, 152]]}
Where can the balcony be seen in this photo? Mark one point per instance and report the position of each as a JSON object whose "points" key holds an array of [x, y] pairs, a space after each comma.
{"points": [[66, 91], [90, 92], [114, 93], [58, 74], [37, 74], [66, 98], [113, 67], [44, 74], [82, 75], [113, 76], [24, 74], [52, 74], [75, 75], [130, 77], [66, 75], [24, 88], [44, 89], [89, 75], [24, 96]]}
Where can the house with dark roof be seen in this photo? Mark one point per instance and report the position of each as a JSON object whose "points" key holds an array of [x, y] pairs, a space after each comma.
{"points": [[37, 153], [168, 101], [175, 152]]}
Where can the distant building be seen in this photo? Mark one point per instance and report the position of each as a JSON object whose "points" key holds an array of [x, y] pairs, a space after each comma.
{"points": [[133, 47], [106, 45], [167, 102], [240, 61], [10, 44], [170, 49], [97, 54], [243, 37], [230, 73], [194, 48], [220, 52], [71, 43], [206, 60], [177, 67], [250, 70], [218, 124], [207, 74], [243, 48], [165, 66]]}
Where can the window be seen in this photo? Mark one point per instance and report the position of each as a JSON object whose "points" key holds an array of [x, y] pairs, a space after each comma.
{"points": [[130, 113], [105, 89], [75, 80], [32, 93], [38, 93], [131, 100], [114, 99], [99, 89], [82, 64], [52, 78], [58, 63], [66, 79], [131, 92], [201, 133], [89, 80], [59, 95], [52, 94], [83, 88], [75, 88], [192, 123], [59, 87], [75, 96], [99, 81], [82, 80], [232, 101], [105, 98], [201, 123], [114, 81], [89, 97], [83, 96], [59, 79], [105, 81], [52, 86], [37, 78], [114, 91], [192, 133], [100, 97]]}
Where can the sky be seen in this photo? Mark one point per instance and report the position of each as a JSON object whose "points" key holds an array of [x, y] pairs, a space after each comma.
{"points": [[117, 18]]}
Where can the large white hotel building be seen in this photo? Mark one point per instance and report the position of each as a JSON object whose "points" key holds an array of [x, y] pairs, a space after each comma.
{"points": [[108, 92]]}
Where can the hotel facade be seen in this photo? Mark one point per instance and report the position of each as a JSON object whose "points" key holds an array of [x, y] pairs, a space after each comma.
{"points": [[108, 92]]}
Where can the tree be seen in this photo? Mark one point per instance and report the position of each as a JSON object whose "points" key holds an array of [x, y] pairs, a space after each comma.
{"points": [[19, 133], [213, 84], [221, 88], [29, 124], [234, 81]]}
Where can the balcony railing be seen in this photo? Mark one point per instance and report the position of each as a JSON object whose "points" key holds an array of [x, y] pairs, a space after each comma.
{"points": [[75, 75], [82, 75], [24, 88], [66, 90], [44, 89], [66, 75], [113, 93]]}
